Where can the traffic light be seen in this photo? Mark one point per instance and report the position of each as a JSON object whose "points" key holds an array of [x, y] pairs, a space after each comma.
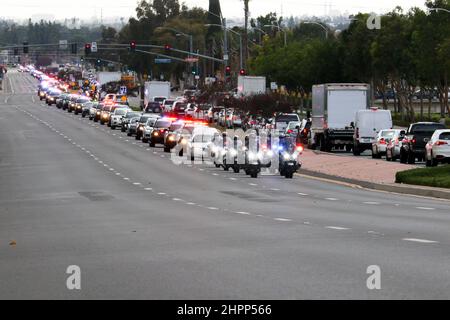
{"points": [[73, 48], [133, 46], [167, 48], [25, 47], [87, 49], [228, 71], [194, 70], [242, 72]]}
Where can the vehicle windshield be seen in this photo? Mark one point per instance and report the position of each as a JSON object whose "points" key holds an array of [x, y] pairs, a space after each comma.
{"points": [[120, 112], [159, 99], [130, 115], [286, 118], [163, 124], [427, 127], [388, 134]]}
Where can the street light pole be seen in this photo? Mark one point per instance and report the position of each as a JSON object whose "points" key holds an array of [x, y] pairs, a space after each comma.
{"points": [[241, 58], [279, 28], [319, 24]]}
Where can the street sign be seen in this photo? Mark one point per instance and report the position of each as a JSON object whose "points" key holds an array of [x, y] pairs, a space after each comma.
{"points": [[94, 47], [63, 44], [273, 86], [225, 57], [163, 61]]}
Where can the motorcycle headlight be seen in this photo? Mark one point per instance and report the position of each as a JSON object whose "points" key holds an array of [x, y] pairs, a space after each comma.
{"points": [[252, 156], [270, 153], [286, 156], [233, 153]]}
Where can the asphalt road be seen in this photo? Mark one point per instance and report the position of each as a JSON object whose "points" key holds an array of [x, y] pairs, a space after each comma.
{"points": [[76, 193]]}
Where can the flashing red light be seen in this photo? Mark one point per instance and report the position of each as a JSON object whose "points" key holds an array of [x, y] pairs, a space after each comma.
{"points": [[300, 148]]}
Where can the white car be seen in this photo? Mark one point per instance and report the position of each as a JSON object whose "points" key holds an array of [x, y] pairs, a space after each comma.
{"points": [[148, 128], [116, 117], [438, 148], [382, 139], [394, 146]]}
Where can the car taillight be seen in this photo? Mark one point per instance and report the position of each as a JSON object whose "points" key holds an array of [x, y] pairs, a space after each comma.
{"points": [[413, 141], [440, 143], [289, 131]]}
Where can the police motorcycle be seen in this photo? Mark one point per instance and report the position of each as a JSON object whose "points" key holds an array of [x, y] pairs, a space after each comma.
{"points": [[234, 156], [289, 153], [252, 156]]}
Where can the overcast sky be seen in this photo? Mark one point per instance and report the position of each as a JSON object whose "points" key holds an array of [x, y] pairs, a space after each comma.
{"points": [[24, 9]]}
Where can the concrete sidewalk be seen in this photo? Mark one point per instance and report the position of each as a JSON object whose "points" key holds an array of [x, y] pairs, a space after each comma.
{"points": [[366, 173]]}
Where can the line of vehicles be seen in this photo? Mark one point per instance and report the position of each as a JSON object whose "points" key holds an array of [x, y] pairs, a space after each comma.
{"points": [[342, 118], [163, 123]]}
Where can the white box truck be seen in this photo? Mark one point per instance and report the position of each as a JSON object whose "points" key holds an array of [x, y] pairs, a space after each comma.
{"points": [[334, 107], [156, 89], [248, 86], [106, 77]]}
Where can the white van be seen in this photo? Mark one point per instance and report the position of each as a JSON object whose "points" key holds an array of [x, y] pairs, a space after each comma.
{"points": [[367, 125]]}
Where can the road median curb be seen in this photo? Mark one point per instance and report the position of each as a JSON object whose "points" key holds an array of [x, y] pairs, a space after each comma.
{"points": [[395, 188]]}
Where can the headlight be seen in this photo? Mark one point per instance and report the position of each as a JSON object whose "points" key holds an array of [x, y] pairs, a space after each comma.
{"points": [[252, 156], [156, 133], [171, 138], [233, 153], [183, 141], [141, 128], [270, 153], [98, 113], [286, 156]]}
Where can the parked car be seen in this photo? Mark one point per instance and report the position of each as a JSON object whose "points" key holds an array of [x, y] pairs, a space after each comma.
{"points": [[417, 136], [367, 125], [438, 148], [394, 145], [381, 141]]}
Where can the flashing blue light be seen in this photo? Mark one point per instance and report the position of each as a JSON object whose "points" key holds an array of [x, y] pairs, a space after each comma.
{"points": [[280, 148]]}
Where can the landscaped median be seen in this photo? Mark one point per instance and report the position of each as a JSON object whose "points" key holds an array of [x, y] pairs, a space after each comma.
{"points": [[373, 174], [438, 177]]}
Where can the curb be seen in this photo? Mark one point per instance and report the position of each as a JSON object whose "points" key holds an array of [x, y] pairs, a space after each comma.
{"points": [[394, 188]]}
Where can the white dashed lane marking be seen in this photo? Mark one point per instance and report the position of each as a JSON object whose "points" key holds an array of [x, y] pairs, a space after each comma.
{"points": [[336, 228], [419, 240]]}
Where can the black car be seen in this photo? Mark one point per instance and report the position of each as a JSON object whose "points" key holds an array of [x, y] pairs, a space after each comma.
{"points": [[127, 118], [79, 104], [170, 137], [159, 131], [52, 96], [418, 135], [60, 100]]}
